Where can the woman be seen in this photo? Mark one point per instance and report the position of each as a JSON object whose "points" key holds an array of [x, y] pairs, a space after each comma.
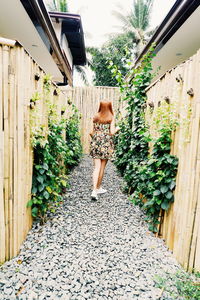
{"points": [[101, 147]]}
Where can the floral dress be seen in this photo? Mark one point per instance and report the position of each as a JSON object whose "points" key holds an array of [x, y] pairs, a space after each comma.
{"points": [[101, 145]]}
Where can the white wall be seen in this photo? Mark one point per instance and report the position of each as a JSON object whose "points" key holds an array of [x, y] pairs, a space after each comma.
{"points": [[65, 47]]}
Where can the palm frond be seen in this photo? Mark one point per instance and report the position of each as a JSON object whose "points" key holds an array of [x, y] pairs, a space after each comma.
{"points": [[63, 5], [149, 33], [51, 6], [82, 72], [57, 5]]}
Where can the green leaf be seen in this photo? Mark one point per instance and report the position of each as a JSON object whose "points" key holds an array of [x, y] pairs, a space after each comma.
{"points": [[165, 205], [41, 187], [42, 171], [163, 189], [170, 160], [40, 179], [64, 183], [34, 211], [169, 195], [172, 185], [45, 166], [34, 190], [29, 203], [35, 200], [156, 193], [153, 228], [159, 201], [46, 195], [49, 190]]}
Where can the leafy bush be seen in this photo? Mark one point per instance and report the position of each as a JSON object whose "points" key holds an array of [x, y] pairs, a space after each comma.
{"points": [[49, 177], [53, 156], [156, 180], [150, 178], [180, 285], [73, 139]]}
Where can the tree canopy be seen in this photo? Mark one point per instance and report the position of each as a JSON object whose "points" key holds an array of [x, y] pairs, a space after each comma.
{"points": [[114, 50], [135, 34]]}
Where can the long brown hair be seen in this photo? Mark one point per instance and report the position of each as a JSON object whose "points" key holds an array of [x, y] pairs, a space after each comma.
{"points": [[105, 113]]}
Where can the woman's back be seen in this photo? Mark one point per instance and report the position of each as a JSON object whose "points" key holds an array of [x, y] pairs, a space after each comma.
{"points": [[101, 127]]}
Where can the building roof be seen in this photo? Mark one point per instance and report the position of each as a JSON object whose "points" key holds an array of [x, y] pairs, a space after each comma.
{"points": [[40, 18], [72, 28], [177, 37], [28, 22]]}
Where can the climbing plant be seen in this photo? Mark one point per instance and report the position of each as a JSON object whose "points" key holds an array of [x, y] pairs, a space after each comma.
{"points": [[53, 154], [73, 139], [150, 178]]}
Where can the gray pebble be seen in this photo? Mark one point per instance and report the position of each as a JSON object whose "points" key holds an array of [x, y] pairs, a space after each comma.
{"points": [[89, 250]]}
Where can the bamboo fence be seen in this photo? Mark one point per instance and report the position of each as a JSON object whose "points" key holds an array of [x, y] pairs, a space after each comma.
{"points": [[87, 101], [20, 78], [181, 224]]}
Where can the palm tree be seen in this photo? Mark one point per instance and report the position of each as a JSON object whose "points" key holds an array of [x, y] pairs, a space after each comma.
{"points": [[137, 22], [58, 5], [62, 6]]}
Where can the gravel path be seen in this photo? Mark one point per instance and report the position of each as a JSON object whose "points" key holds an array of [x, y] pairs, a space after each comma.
{"points": [[89, 250]]}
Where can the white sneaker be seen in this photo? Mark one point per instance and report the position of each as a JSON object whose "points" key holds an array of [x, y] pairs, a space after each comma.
{"points": [[94, 195], [101, 191]]}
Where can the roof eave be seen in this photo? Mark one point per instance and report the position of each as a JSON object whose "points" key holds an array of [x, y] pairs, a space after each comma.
{"points": [[66, 16], [38, 10], [177, 15]]}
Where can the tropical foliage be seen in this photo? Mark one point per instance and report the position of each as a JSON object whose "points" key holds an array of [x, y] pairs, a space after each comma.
{"points": [[150, 178], [57, 5], [54, 156], [137, 22], [114, 50], [180, 285], [135, 33]]}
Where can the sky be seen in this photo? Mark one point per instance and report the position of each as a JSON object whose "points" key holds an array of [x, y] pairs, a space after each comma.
{"points": [[98, 20]]}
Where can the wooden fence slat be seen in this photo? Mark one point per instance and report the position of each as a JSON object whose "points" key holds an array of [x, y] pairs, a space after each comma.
{"points": [[2, 205], [183, 240], [6, 145], [17, 86]]}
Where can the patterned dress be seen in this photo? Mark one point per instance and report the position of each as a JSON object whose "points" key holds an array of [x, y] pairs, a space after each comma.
{"points": [[101, 145]]}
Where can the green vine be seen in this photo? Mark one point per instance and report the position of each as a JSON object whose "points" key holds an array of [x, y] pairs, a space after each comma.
{"points": [[180, 285], [154, 189], [53, 155], [73, 139], [150, 178]]}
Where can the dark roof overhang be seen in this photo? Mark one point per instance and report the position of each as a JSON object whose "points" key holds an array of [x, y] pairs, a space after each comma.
{"points": [[72, 29], [179, 13], [42, 22]]}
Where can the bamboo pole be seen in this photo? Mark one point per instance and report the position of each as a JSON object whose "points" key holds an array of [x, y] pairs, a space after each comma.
{"points": [[184, 240], [6, 146], [2, 204], [15, 163]]}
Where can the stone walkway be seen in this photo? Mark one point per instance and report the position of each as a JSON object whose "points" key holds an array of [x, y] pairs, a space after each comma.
{"points": [[89, 250]]}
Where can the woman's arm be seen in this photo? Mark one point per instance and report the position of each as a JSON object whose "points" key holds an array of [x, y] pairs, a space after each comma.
{"points": [[113, 129]]}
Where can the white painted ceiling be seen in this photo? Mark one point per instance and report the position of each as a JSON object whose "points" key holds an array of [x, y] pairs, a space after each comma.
{"points": [[15, 24], [181, 46]]}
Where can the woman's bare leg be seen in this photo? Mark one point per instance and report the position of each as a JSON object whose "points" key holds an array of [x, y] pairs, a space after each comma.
{"points": [[101, 172], [96, 171]]}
